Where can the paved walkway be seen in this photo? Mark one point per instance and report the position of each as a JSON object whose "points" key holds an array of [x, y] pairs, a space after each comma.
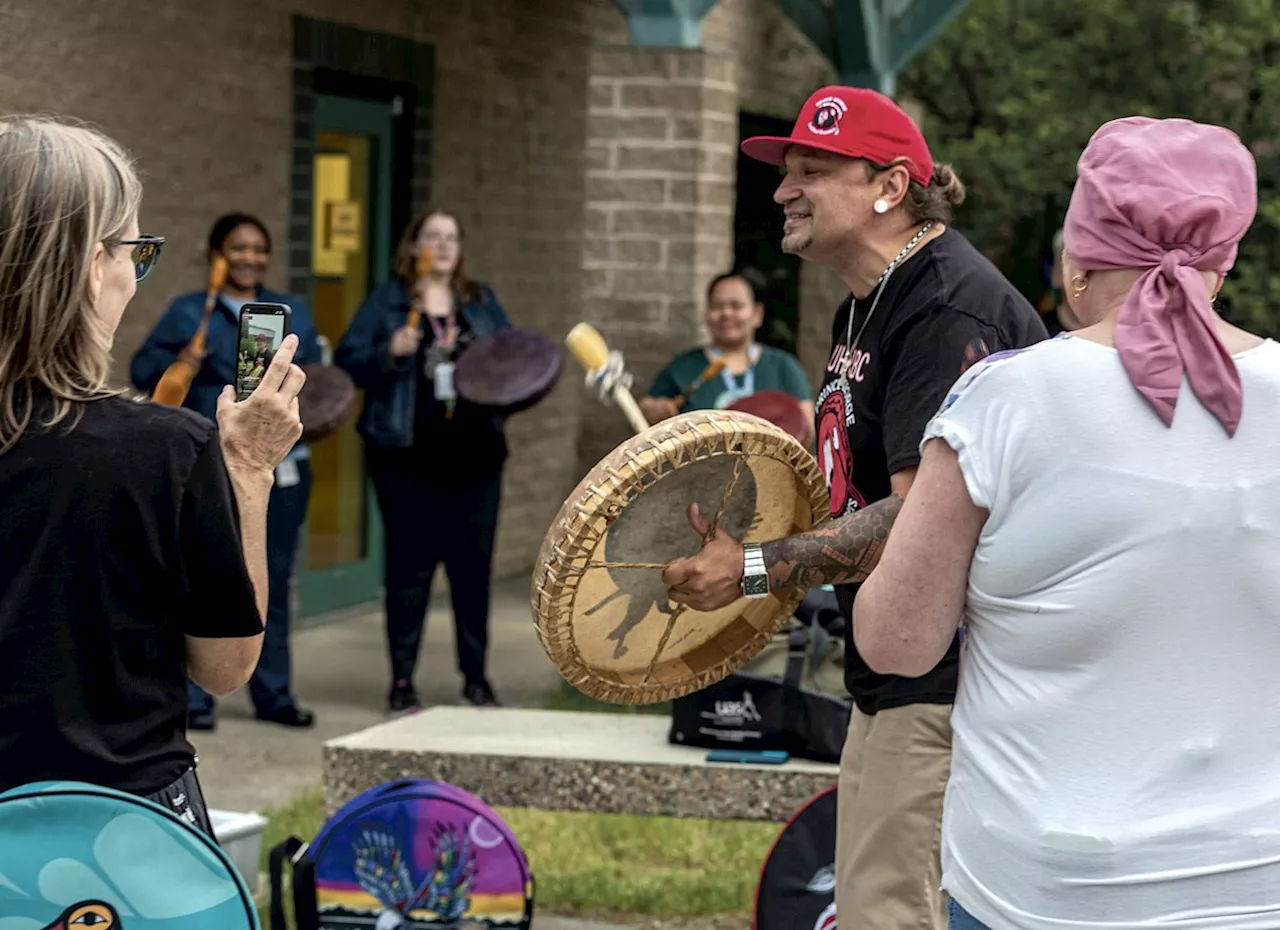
{"points": [[340, 672]]}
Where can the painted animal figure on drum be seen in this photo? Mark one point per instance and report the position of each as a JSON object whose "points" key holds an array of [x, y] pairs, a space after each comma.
{"points": [[862, 196], [645, 528]]}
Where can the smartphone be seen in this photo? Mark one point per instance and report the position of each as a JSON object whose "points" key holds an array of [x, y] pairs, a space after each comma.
{"points": [[749, 756], [262, 329]]}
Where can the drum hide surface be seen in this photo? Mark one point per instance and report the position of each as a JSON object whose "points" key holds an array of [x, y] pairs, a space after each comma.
{"points": [[779, 408], [510, 370], [325, 402], [599, 601]]}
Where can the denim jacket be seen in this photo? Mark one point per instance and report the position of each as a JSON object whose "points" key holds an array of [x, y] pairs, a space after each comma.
{"points": [[178, 324], [390, 385]]}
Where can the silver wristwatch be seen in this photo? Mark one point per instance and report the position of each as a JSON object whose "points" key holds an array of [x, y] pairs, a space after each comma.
{"points": [[755, 579]]}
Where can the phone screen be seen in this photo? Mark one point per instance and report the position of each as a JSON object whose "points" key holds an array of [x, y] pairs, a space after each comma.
{"points": [[262, 329]]}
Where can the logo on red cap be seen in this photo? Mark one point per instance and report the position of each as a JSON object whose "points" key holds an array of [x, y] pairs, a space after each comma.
{"points": [[854, 121], [827, 115]]}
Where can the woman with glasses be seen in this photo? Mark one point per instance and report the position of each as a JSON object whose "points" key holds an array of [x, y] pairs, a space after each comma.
{"points": [[436, 461], [132, 536], [246, 244]]}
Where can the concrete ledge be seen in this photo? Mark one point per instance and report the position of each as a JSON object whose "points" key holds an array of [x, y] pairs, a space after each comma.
{"points": [[566, 761]]}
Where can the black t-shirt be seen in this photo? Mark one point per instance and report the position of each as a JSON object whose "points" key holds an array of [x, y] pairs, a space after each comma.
{"points": [[460, 448], [117, 539], [942, 309]]}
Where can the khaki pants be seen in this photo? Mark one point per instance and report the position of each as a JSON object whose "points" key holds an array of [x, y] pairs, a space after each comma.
{"points": [[893, 775]]}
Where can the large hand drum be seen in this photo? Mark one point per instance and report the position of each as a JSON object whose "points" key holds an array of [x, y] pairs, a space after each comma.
{"points": [[325, 402], [600, 606], [511, 370]]}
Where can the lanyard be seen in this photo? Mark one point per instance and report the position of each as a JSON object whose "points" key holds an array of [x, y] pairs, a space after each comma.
{"points": [[447, 332], [749, 379]]}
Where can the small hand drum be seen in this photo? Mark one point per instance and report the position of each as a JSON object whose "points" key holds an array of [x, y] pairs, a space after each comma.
{"points": [[325, 402], [511, 370], [780, 409], [599, 603]]}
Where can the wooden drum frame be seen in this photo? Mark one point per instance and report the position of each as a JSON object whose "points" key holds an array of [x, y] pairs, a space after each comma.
{"points": [[598, 599]]}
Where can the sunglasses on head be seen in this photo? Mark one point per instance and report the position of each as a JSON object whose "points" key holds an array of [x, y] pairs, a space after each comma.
{"points": [[145, 253]]}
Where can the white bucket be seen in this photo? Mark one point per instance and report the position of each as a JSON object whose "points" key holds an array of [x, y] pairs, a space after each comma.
{"points": [[240, 836]]}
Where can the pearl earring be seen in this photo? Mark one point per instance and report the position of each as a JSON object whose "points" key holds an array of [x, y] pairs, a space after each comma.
{"points": [[881, 206]]}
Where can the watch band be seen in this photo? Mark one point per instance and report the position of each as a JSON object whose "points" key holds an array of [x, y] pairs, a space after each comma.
{"points": [[755, 577]]}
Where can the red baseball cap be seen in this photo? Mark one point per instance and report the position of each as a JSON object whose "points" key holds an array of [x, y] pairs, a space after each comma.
{"points": [[852, 121]]}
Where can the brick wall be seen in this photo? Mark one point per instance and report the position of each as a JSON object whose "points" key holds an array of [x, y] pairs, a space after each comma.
{"points": [[201, 95], [777, 66], [661, 134], [662, 145]]}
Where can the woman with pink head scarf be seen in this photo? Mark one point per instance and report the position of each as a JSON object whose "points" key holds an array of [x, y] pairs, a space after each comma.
{"points": [[1101, 514]]}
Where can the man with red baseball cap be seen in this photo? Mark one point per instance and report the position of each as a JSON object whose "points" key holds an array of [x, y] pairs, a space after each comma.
{"points": [[863, 197]]}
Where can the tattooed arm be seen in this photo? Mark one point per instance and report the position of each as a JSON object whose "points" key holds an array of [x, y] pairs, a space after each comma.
{"points": [[842, 551]]}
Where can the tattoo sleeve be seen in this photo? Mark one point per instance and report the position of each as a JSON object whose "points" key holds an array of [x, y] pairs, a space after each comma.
{"points": [[842, 551]]}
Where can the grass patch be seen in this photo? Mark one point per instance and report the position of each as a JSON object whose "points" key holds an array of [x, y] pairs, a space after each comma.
{"points": [[608, 863], [301, 817], [566, 697], [652, 866]]}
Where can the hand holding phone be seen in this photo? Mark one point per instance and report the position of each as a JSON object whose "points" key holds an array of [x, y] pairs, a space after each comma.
{"points": [[257, 433], [263, 327]]}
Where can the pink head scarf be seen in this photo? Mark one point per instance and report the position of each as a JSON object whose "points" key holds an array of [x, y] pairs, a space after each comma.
{"points": [[1172, 197]]}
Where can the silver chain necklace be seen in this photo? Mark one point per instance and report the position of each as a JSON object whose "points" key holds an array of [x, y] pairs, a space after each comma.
{"points": [[850, 342]]}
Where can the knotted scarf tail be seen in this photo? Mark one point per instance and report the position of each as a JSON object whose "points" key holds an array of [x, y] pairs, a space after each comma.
{"points": [[1165, 330]]}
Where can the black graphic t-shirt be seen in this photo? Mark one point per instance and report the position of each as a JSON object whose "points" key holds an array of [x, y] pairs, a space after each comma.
{"points": [[119, 539], [942, 309]]}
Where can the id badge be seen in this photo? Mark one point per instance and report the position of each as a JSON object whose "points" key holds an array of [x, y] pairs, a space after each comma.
{"points": [[287, 474], [432, 361], [443, 377]]}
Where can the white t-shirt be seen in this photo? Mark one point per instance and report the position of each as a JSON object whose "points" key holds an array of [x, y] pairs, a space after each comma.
{"points": [[1117, 726]]}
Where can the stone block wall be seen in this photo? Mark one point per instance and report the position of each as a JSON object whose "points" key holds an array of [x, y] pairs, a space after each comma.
{"points": [[662, 137]]}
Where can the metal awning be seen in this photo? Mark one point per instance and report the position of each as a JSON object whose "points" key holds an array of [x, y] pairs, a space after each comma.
{"points": [[867, 41]]}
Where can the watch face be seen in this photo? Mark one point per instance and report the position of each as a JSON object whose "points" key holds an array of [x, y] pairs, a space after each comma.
{"points": [[755, 585]]}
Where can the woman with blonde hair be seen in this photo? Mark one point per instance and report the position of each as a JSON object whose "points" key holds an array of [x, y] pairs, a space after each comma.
{"points": [[132, 536], [1102, 513]]}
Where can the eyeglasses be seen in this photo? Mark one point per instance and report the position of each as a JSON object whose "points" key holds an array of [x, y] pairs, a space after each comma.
{"points": [[145, 253]]}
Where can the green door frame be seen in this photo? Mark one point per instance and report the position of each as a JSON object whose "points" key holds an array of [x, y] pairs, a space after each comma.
{"points": [[346, 586]]}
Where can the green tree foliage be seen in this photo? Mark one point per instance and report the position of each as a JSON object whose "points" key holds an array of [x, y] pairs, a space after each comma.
{"points": [[1014, 89]]}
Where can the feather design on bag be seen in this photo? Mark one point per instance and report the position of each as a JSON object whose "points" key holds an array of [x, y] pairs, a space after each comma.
{"points": [[446, 891], [382, 872]]}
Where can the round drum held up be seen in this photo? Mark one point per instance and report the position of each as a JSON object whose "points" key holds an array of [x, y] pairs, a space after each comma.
{"points": [[510, 370], [325, 402], [599, 602]]}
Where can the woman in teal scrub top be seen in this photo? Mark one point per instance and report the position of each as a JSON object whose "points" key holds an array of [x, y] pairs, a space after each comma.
{"points": [[733, 316]]}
